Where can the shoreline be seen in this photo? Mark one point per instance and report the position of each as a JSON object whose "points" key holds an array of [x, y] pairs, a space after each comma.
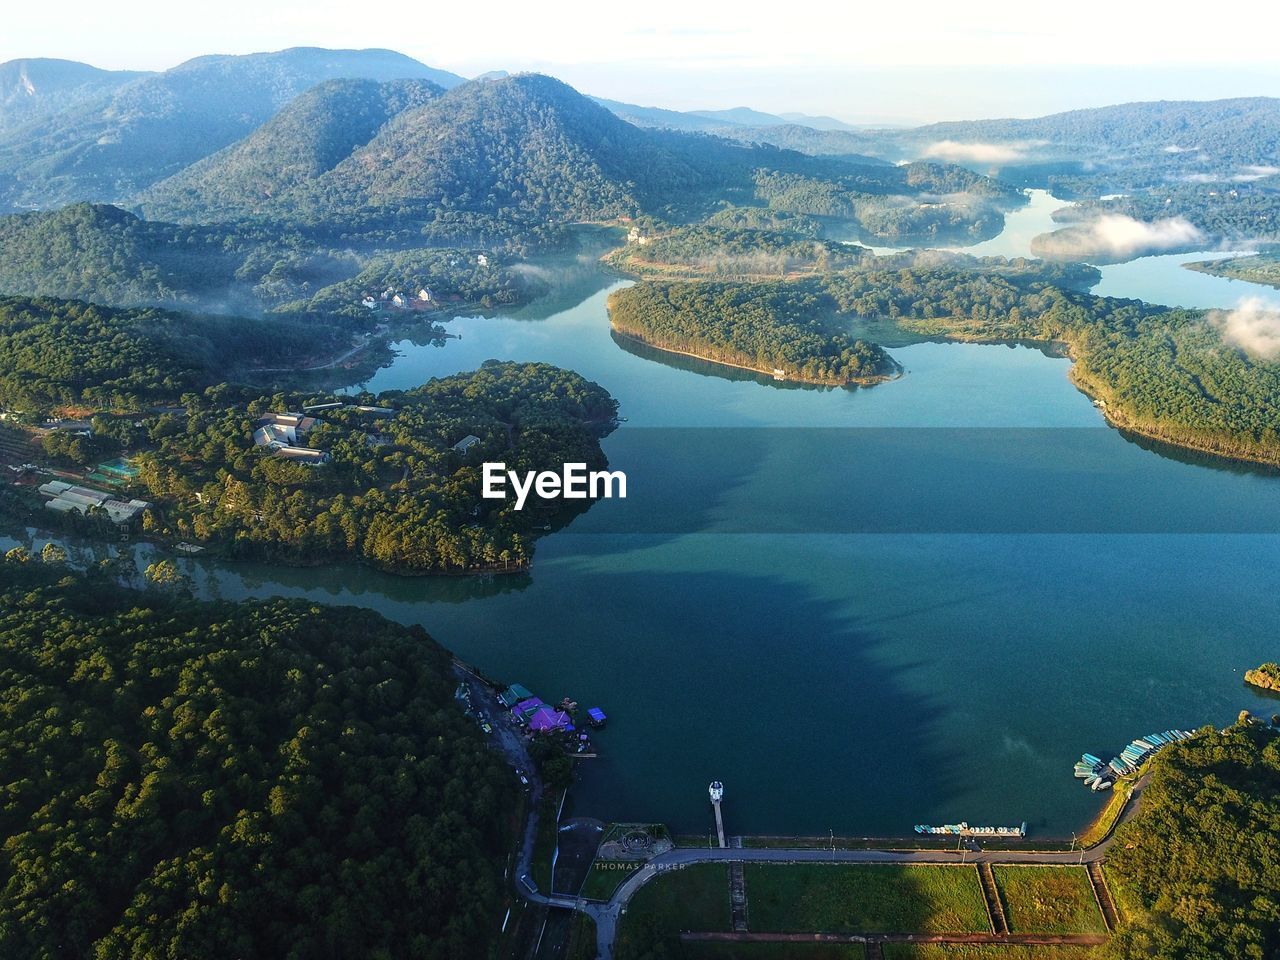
{"points": [[1116, 419], [854, 381]]}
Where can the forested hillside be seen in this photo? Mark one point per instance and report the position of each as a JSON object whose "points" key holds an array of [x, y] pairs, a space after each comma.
{"points": [[1122, 148], [109, 147], [309, 136], [526, 146], [260, 780], [1199, 867], [1230, 209], [37, 87], [528, 151], [731, 252], [59, 352], [109, 256]]}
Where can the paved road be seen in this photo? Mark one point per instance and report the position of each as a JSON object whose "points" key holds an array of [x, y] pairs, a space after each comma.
{"points": [[606, 915]]}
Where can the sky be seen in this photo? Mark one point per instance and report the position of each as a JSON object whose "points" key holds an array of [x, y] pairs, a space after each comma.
{"points": [[864, 62]]}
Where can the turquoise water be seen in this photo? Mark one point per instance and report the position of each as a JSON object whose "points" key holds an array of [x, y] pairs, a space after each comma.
{"points": [[925, 611]]}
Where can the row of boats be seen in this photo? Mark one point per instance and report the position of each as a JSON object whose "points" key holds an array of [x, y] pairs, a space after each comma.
{"points": [[962, 829], [1099, 774]]}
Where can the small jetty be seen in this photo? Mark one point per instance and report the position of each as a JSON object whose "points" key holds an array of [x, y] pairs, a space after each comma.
{"points": [[1099, 774], [963, 829]]}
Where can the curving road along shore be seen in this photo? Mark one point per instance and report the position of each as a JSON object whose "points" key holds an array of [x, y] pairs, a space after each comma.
{"points": [[607, 914]]}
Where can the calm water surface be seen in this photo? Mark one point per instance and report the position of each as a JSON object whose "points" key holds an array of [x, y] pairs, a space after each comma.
{"points": [[832, 675]]}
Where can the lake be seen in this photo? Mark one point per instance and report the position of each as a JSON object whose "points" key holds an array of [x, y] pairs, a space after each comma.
{"points": [[859, 609]]}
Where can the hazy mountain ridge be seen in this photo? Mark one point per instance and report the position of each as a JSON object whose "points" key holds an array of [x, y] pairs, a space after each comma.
{"points": [[112, 146], [38, 87]]}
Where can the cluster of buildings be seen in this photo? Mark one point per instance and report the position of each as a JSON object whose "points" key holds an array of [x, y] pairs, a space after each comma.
{"points": [[542, 718], [282, 433], [393, 299], [65, 497]]}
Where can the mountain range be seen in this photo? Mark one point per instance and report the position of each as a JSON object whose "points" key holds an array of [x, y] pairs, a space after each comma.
{"points": [[101, 136], [375, 137]]}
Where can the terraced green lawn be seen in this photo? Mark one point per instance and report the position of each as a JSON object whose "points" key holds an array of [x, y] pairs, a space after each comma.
{"points": [[772, 951], [604, 877], [1040, 899], [694, 898], [864, 898], [971, 951]]}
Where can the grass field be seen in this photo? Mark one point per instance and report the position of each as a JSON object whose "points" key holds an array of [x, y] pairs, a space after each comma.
{"points": [[1048, 900], [772, 951], [602, 881], [970, 951], [865, 898], [695, 898]]}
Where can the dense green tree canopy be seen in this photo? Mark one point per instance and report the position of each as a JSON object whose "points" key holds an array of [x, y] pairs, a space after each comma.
{"points": [[259, 780], [766, 327], [1203, 855], [55, 352], [395, 493]]}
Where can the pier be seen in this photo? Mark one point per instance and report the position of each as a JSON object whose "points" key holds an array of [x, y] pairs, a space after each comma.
{"points": [[717, 794]]}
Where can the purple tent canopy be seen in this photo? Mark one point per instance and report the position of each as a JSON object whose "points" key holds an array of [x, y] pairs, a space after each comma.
{"points": [[545, 719], [524, 706]]}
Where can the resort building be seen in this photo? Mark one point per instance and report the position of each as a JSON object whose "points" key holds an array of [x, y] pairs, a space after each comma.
{"points": [[281, 433]]}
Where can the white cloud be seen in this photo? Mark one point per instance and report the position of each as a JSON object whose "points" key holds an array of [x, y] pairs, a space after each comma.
{"points": [[1255, 173], [957, 152], [1253, 326], [1114, 236]]}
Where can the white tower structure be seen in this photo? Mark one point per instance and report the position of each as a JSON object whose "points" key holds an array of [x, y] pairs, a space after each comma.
{"points": [[716, 790]]}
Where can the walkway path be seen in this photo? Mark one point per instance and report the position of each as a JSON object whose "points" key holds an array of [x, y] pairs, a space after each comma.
{"points": [[995, 909], [1103, 895]]}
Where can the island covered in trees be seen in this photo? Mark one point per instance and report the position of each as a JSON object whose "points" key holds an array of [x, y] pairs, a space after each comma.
{"points": [[195, 779], [779, 329], [1173, 375]]}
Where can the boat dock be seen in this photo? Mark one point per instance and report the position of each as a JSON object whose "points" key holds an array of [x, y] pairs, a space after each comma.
{"points": [[962, 829], [1099, 774]]}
